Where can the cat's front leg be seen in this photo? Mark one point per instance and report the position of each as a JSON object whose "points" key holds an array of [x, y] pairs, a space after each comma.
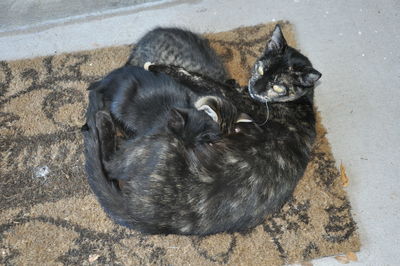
{"points": [[197, 83]]}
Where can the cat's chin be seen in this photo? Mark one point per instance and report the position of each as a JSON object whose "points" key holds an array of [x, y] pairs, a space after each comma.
{"points": [[270, 96], [283, 99], [275, 99], [278, 93], [287, 98]]}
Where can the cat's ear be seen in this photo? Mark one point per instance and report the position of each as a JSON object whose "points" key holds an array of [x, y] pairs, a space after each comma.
{"points": [[309, 76], [210, 112], [208, 104], [277, 42], [177, 119]]}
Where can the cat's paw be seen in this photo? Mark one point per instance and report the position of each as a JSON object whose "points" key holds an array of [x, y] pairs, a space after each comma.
{"points": [[147, 65]]}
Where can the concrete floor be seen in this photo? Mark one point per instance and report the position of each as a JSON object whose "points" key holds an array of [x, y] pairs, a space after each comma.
{"points": [[24, 14], [353, 43]]}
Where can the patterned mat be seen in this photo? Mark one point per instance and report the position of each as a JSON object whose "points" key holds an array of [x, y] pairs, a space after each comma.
{"points": [[49, 215]]}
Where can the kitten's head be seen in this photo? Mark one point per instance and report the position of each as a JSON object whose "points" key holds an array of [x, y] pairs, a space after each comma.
{"points": [[223, 112], [211, 119], [282, 73], [193, 127]]}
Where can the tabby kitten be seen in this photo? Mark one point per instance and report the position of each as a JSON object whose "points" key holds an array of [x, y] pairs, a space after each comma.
{"points": [[228, 186], [173, 46]]}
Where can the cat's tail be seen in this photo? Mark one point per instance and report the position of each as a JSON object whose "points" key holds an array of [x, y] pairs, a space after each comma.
{"points": [[106, 190]]}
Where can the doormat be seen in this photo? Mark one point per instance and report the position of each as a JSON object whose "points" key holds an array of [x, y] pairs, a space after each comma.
{"points": [[49, 215]]}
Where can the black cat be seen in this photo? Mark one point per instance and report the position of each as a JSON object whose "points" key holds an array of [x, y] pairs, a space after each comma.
{"points": [[182, 134], [230, 185]]}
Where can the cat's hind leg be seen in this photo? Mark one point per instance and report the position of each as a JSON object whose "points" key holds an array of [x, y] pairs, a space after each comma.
{"points": [[107, 135]]}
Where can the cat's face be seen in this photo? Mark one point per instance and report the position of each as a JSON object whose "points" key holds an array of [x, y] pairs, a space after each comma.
{"points": [[224, 113], [282, 73], [193, 127], [220, 110], [210, 120]]}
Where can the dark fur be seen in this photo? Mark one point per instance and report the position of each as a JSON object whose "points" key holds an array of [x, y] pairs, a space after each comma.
{"points": [[283, 66], [228, 186], [146, 103], [173, 46]]}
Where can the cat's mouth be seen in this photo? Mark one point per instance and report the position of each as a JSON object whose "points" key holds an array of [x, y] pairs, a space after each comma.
{"points": [[277, 91], [283, 94], [288, 98], [274, 93]]}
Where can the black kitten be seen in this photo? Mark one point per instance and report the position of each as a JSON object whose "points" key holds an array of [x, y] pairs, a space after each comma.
{"points": [[145, 103]]}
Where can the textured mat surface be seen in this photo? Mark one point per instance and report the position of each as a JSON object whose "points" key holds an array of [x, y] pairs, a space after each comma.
{"points": [[49, 216]]}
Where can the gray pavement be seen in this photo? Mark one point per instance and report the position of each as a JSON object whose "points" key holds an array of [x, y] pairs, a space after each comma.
{"points": [[353, 43], [23, 14]]}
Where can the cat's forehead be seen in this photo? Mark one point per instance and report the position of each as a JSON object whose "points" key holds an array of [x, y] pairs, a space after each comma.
{"points": [[272, 63], [290, 59], [200, 119], [295, 59]]}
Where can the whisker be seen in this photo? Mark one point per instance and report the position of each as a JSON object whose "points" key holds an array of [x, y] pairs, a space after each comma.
{"points": [[265, 122]]}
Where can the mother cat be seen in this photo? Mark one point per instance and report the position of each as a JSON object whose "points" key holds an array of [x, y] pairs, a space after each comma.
{"points": [[230, 185]]}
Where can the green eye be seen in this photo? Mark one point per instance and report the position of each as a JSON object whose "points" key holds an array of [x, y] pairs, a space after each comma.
{"points": [[260, 70], [278, 89]]}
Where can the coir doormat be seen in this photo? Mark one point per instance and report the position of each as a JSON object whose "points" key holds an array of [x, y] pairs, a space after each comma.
{"points": [[49, 215]]}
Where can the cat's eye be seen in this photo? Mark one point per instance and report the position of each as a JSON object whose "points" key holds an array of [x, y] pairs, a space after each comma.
{"points": [[279, 89], [260, 70]]}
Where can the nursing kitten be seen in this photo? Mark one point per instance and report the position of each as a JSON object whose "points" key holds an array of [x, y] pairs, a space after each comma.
{"points": [[228, 186], [144, 103]]}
